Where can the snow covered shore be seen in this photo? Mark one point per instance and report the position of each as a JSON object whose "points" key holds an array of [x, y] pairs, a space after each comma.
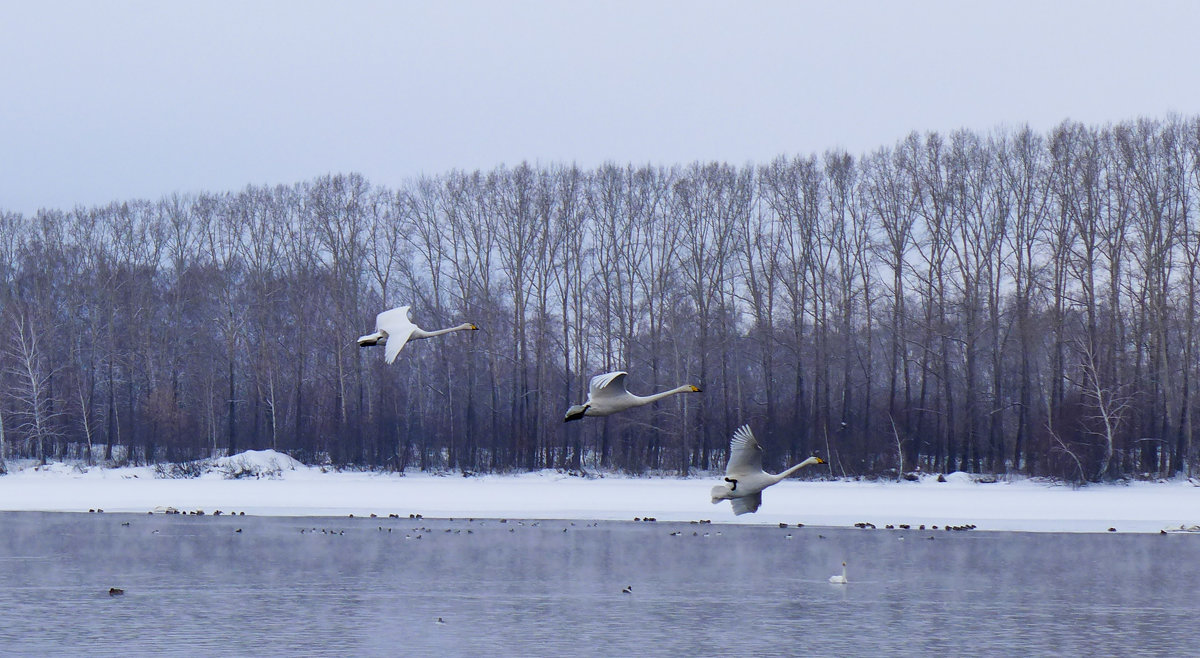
{"points": [[272, 484]]}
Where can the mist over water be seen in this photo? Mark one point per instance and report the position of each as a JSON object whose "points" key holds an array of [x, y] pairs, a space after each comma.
{"points": [[357, 586]]}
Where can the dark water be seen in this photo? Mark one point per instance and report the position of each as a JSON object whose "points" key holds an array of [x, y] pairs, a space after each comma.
{"points": [[193, 585]]}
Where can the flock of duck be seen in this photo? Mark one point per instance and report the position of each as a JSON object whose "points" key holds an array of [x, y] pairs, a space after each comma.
{"points": [[744, 479]]}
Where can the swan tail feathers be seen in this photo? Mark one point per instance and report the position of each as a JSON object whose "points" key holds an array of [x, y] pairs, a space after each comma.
{"points": [[719, 493]]}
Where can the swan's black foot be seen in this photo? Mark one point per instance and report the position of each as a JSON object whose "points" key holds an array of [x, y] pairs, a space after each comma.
{"points": [[733, 482]]}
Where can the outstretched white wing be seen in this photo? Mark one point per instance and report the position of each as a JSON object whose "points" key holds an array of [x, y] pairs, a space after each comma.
{"points": [[745, 455], [398, 327], [610, 384], [746, 504]]}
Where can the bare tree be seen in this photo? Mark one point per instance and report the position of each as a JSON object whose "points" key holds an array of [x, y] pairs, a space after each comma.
{"points": [[1190, 242], [938, 351], [467, 211], [657, 292], [1143, 149], [760, 244], [791, 190], [1006, 283], [1060, 236], [709, 199], [35, 414], [1108, 404], [1023, 164], [570, 285], [889, 192]]}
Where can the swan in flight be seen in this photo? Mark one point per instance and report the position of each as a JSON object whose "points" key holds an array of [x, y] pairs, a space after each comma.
{"points": [[839, 580], [395, 330], [607, 395], [744, 475]]}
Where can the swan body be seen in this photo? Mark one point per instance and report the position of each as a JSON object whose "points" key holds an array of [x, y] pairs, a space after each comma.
{"points": [[394, 329], [607, 395], [744, 475], [839, 580]]}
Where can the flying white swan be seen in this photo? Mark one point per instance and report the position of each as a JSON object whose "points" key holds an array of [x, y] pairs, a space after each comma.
{"points": [[839, 580], [607, 395], [395, 329], [744, 475]]}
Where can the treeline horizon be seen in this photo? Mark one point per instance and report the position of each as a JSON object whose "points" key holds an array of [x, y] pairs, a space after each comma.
{"points": [[1003, 302]]}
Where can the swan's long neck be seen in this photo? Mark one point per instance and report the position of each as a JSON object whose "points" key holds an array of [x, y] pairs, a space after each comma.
{"points": [[807, 462], [688, 388], [421, 333]]}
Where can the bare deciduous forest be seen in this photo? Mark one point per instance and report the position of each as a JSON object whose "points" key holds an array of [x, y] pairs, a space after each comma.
{"points": [[1009, 302]]}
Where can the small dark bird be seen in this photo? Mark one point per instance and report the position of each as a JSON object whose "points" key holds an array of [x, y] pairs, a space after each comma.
{"points": [[628, 589], [115, 591], [440, 620]]}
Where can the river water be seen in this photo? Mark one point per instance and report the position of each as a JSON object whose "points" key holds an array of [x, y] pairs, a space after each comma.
{"points": [[238, 585]]}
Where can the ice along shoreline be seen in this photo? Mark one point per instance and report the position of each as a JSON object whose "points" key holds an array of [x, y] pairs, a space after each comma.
{"points": [[272, 484]]}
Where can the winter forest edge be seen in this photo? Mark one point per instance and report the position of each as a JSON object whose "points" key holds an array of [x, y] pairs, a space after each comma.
{"points": [[1009, 303]]}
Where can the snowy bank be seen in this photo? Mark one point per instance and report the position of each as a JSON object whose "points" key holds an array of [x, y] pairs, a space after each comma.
{"points": [[272, 484]]}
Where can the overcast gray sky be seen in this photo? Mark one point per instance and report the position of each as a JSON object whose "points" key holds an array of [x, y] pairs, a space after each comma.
{"points": [[103, 101]]}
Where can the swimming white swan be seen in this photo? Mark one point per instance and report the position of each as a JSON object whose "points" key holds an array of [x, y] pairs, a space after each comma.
{"points": [[607, 395], [395, 329], [744, 475], [839, 580]]}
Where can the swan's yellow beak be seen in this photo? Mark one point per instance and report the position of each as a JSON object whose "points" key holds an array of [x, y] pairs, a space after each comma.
{"points": [[820, 461], [695, 389], [474, 328]]}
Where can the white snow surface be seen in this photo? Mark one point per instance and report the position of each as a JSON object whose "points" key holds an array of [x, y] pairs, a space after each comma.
{"points": [[269, 483]]}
